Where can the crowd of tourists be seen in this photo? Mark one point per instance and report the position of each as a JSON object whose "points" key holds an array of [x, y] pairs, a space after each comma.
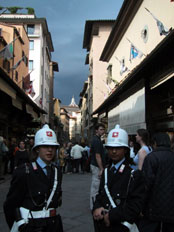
{"points": [[13, 153]]}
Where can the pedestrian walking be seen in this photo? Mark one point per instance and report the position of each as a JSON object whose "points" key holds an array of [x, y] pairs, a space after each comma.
{"points": [[29, 148], [12, 150], [121, 193], [35, 191], [62, 157], [97, 162], [22, 155], [69, 158], [6, 158], [131, 146], [86, 159], [2, 158], [76, 154], [158, 169], [143, 139]]}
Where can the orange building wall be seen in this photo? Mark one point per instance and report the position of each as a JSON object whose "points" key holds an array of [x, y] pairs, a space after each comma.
{"points": [[9, 34]]}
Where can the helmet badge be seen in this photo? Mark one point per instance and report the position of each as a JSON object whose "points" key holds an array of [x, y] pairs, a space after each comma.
{"points": [[115, 134], [49, 133]]}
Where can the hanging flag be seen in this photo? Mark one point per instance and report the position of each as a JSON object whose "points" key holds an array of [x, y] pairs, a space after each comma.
{"points": [[162, 29], [134, 52], [26, 81], [18, 63], [25, 59], [107, 86], [7, 51], [123, 68], [30, 90]]}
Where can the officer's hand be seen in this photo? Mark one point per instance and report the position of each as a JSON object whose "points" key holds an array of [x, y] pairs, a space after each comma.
{"points": [[106, 219], [97, 214]]}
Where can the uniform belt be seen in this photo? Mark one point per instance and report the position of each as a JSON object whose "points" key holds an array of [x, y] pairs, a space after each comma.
{"points": [[38, 214], [43, 213]]}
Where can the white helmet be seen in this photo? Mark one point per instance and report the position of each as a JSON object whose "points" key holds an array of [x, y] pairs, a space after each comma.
{"points": [[45, 136], [117, 137]]}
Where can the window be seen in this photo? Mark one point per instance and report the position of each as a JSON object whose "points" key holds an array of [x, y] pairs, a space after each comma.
{"points": [[31, 63], [144, 33], [30, 29], [31, 44], [26, 61], [16, 75], [6, 65]]}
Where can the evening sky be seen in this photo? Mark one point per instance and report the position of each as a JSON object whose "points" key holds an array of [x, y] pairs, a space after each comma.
{"points": [[66, 22]]}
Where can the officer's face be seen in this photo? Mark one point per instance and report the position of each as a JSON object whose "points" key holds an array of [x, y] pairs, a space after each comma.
{"points": [[47, 153], [116, 153]]}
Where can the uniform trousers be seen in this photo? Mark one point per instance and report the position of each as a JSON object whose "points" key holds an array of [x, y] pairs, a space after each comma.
{"points": [[52, 224], [100, 227], [153, 226]]}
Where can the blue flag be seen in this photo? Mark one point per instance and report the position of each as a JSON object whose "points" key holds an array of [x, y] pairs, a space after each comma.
{"points": [[134, 52]]}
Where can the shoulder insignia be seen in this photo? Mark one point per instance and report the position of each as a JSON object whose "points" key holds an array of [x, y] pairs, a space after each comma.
{"points": [[34, 165], [122, 168]]}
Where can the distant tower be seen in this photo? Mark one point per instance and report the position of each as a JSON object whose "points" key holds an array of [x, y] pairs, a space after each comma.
{"points": [[73, 103]]}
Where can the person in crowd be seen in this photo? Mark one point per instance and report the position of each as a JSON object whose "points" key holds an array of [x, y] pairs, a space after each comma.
{"points": [[142, 138], [12, 150], [87, 154], [30, 146], [159, 175], [2, 158], [84, 158], [21, 155], [69, 158], [172, 142], [35, 191], [6, 157], [97, 162], [62, 157], [76, 154], [121, 193], [131, 146]]}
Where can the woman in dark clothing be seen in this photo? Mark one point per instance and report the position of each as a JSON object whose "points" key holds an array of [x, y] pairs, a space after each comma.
{"points": [[21, 155]]}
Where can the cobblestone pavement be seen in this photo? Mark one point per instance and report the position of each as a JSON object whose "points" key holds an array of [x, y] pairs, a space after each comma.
{"points": [[75, 210]]}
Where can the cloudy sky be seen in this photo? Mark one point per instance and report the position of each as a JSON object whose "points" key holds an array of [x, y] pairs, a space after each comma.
{"points": [[66, 21]]}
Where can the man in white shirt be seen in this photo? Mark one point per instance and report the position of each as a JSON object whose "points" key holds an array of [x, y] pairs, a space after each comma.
{"points": [[76, 154]]}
